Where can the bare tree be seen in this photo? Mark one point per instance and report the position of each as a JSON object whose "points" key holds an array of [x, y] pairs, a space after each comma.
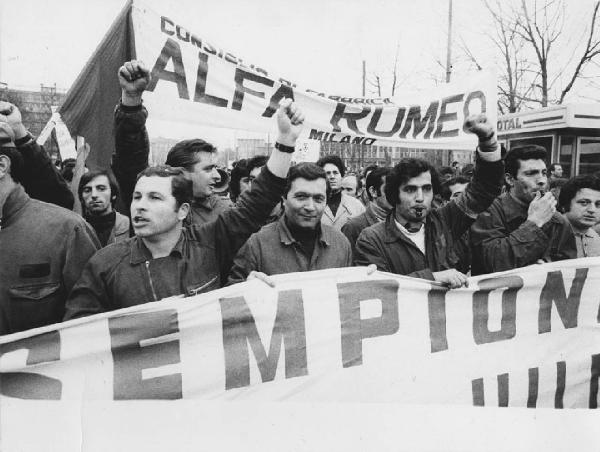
{"points": [[535, 28], [592, 49], [513, 86]]}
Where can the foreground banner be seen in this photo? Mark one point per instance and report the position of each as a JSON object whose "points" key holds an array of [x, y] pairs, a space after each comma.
{"points": [[527, 338], [196, 82]]}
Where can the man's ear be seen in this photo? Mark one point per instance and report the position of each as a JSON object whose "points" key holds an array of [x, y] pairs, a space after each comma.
{"points": [[4, 165], [183, 211], [373, 192]]}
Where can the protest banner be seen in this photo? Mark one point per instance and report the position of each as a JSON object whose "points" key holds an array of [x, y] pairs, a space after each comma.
{"points": [[524, 338], [199, 83]]}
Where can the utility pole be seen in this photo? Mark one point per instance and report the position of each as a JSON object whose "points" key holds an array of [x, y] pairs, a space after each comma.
{"points": [[449, 50], [364, 76]]}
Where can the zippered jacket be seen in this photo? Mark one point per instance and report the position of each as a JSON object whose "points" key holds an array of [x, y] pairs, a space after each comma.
{"points": [[124, 274]]}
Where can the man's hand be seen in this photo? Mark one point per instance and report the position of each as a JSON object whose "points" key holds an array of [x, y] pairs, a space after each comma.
{"points": [[451, 278], [12, 116], [134, 78], [262, 277], [289, 122], [541, 209]]}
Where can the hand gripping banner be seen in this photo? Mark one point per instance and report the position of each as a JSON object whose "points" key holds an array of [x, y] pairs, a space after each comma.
{"points": [[524, 338]]}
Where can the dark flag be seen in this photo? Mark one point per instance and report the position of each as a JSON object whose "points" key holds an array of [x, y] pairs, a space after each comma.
{"points": [[88, 108]]}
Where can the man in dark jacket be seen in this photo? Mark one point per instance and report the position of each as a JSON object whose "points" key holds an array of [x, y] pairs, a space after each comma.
{"points": [[298, 242], [98, 192], [522, 226], [417, 240], [377, 209], [43, 247], [132, 147], [165, 259]]}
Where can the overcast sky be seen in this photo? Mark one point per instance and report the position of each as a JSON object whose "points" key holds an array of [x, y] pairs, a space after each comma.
{"points": [[315, 42]]}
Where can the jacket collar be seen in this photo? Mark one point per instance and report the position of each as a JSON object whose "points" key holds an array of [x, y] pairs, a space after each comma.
{"points": [[392, 233], [140, 253], [15, 201], [324, 235]]}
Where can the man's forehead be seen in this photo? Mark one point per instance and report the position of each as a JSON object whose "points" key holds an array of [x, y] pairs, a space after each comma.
{"points": [[587, 193], [457, 187], [532, 164], [206, 158], [349, 180], [154, 183], [309, 186], [422, 179], [98, 180], [330, 167]]}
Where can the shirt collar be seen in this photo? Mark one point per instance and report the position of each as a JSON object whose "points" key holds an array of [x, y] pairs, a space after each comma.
{"points": [[140, 253], [286, 237]]}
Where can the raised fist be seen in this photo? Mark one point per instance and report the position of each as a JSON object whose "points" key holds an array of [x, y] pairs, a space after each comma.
{"points": [[289, 122], [134, 78], [11, 115], [480, 126]]}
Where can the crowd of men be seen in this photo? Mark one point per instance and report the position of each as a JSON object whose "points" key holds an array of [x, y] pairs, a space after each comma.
{"points": [[178, 237]]}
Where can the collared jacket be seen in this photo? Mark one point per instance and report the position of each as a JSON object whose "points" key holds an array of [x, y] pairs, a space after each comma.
{"points": [[355, 225], [349, 207], [43, 249], [384, 245], [273, 250], [125, 274], [502, 238], [120, 230], [132, 148], [206, 210]]}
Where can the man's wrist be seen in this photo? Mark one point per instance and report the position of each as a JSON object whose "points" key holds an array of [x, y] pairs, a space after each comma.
{"points": [[20, 132], [131, 99], [284, 148]]}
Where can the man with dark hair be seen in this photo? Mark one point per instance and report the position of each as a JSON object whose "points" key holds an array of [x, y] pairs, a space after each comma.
{"points": [[522, 226], [98, 192], [196, 156], [298, 241], [164, 258], [239, 173], [417, 240], [446, 173], [43, 247], [556, 171], [340, 206], [364, 196], [243, 174], [579, 200], [453, 187], [377, 209]]}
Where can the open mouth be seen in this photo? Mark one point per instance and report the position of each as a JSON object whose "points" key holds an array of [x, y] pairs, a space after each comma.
{"points": [[419, 211], [139, 221]]}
